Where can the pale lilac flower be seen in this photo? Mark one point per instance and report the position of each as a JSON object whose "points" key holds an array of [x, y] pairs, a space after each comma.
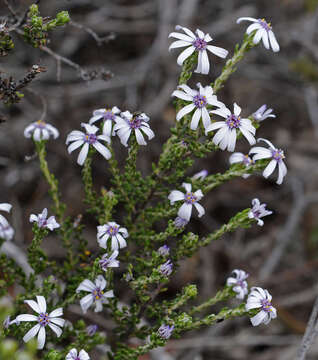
{"points": [[166, 268], [7, 322], [200, 175], [41, 130], [129, 122], [164, 250], [189, 198], [180, 222], [263, 113], [165, 331], [260, 298], [196, 42], [263, 32], [239, 283], [113, 231], [43, 319], [239, 157], [72, 355], [198, 101], [226, 135], [258, 211], [108, 116], [96, 294], [91, 329], [87, 139], [109, 261], [6, 231], [43, 222], [277, 156]]}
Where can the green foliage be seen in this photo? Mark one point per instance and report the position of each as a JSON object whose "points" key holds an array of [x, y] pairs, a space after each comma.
{"points": [[37, 28], [144, 201]]}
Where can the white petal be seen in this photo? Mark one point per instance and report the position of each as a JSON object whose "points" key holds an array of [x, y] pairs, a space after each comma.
{"points": [[185, 54], [273, 41], [83, 355], [100, 282], [269, 168], [31, 333], [58, 321], [218, 51], [185, 211], [26, 317], [217, 138], [216, 125], [102, 150], [175, 195], [139, 137], [98, 306], [71, 355], [258, 318], [249, 137], [41, 337], [282, 171], [95, 117], [178, 44], [107, 128], [195, 119], [124, 135], [231, 140], [33, 305], [83, 154], [187, 109], [187, 186], [183, 37], [58, 331], [86, 302], [5, 207], [265, 40], [245, 18], [205, 118], [121, 240], [200, 209], [224, 112], [86, 285], [188, 90], [253, 27], [237, 110], [236, 158], [181, 95], [258, 36], [205, 64], [148, 132]]}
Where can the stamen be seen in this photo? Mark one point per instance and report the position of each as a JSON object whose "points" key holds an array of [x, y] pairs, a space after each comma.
{"points": [[199, 101], [190, 198], [199, 44], [233, 121]]}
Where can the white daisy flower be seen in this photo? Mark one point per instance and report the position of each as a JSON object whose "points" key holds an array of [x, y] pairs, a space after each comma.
{"points": [[43, 222], [277, 156], [196, 42], [108, 116], [129, 122], [6, 231], [239, 157], [189, 199], [109, 261], [201, 175], [96, 294], [86, 140], [263, 32], [72, 355], [113, 231], [263, 113], [258, 211], [41, 130], [199, 100], [239, 283], [260, 298], [43, 319], [225, 137]]}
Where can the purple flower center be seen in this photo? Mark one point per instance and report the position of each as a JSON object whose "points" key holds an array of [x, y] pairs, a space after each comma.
{"points": [[266, 305], [267, 26], [135, 122], [42, 222], [43, 319], [40, 124], [241, 283], [97, 293], [113, 230], [247, 160], [199, 44], [199, 101], [190, 198], [109, 115], [278, 154], [90, 139], [233, 121]]}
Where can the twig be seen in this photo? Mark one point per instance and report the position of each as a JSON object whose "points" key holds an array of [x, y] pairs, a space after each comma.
{"points": [[99, 40], [12, 11], [43, 102], [310, 333]]}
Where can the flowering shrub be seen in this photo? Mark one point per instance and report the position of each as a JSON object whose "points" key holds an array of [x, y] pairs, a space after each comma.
{"points": [[134, 253]]}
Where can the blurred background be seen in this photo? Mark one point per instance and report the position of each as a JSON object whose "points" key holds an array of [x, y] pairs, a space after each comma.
{"points": [[128, 65]]}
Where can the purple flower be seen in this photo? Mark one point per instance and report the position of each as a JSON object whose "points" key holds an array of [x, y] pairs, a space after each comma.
{"points": [[164, 250], [262, 114], [165, 331], [43, 222], [237, 281], [109, 261], [91, 330], [166, 268], [258, 211]]}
